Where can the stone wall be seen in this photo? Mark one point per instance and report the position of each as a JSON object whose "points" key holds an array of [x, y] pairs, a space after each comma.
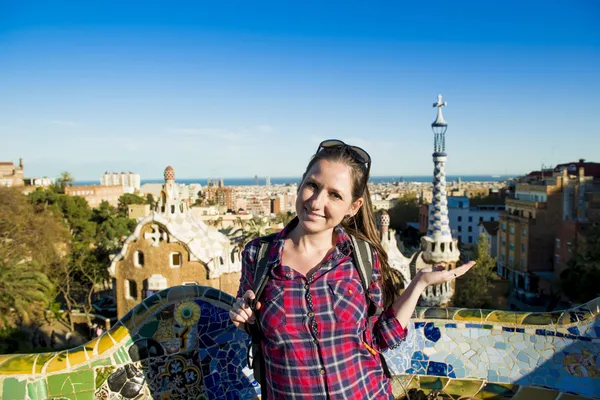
{"points": [[180, 344]]}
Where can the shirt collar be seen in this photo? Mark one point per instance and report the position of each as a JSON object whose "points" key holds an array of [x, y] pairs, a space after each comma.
{"points": [[343, 242]]}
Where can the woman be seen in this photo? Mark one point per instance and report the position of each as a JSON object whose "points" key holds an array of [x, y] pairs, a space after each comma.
{"points": [[319, 340]]}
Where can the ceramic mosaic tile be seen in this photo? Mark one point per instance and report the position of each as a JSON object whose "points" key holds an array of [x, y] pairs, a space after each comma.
{"points": [[180, 344]]}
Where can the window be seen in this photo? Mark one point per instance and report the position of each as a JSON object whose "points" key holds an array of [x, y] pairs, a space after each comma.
{"points": [[492, 219], [522, 248], [480, 219], [558, 243], [523, 262], [470, 219], [556, 259], [460, 228], [502, 258], [511, 260], [131, 289], [503, 243], [511, 246], [138, 259], [503, 226], [470, 239], [175, 259], [524, 232], [569, 247], [470, 229], [460, 204], [459, 218], [459, 238], [512, 229]]}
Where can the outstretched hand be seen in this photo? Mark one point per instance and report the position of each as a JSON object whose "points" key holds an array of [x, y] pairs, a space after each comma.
{"points": [[438, 274]]}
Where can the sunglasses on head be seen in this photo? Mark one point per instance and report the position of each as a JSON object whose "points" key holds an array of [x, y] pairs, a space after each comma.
{"points": [[357, 153]]}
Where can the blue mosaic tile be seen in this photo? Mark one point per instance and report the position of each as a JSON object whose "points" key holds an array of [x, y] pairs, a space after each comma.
{"points": [[450, 325], [520, 330], [508, 329], [431, 332], [574, 330], [437, 369], [500, 345], [478, 326], [419, 325], [585, 339], [417, 355]]}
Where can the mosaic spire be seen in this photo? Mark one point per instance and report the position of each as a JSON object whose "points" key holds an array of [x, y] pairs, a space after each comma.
{"points": [[438, 245]]}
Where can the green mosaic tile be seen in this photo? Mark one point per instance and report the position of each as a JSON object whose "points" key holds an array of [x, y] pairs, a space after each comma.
{"points": [[497, 391], [13, 389], [149, 329], [37, 390], [472, 315], [102, 362], [102, 375], [540, 319], [463, 387], [121, 356], [20, 364], [437, 313], [75, 385], [42, 359], [432, 382]]}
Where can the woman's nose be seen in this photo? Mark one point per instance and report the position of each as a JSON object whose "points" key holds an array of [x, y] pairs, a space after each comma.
{"points": [[317, 200]]}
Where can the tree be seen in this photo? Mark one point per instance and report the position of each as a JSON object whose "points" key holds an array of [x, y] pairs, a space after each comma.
{"points": [[580, 281], [405, 210], [33, 242], [150, 200], [472, 288], [65, 179], [284, 217], [256, 227], [127, 199]]}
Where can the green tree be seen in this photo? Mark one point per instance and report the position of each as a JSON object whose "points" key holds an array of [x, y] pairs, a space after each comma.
{"points": [[405, 210], [150, 200], [127, 199], [32, 244], [472, 288], [284, 217], [580, 281], [65, 179], [256, 227]]}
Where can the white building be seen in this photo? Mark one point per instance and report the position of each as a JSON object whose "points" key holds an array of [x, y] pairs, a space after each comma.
{"points": [[130, 182]]}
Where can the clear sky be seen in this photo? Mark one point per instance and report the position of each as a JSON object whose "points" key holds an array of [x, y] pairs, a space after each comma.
{"points": [[234, 88]]}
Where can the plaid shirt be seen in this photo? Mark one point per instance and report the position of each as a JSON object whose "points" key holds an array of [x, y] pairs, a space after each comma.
{"points": [[315, 327]]}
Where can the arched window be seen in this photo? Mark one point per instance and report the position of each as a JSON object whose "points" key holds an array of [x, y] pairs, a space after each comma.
{"points": [[131, 289]]}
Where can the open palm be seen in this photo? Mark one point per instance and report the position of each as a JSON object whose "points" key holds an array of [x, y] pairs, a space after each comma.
{"points": [[438, 274]]}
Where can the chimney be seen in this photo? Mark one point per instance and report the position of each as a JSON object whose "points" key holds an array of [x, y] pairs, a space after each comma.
{"points": [[581, 160], [21, 162]]}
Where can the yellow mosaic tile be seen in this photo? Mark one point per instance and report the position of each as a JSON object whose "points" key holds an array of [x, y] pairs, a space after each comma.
{"points": [[401, 384], [506, 317], [437, 313], [433, 382], [463, 387], [119, 332], [594, 306], [565, 319], [77, 356], [105, 343], [41, 360], [468, 315], [90, 346], [58, 363], [20, 364], [528, 393]]}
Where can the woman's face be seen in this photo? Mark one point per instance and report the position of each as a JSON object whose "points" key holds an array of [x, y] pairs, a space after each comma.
{"points": [[325, 196]]}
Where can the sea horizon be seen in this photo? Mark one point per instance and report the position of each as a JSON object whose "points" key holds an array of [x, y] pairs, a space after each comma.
{"points": [[296, 180]]}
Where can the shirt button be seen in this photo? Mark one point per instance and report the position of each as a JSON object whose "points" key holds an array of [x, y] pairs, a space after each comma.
{"points": [[310, 314], [322, 371], [306, 287], [289, 276], [315, 341], [350, 291]]}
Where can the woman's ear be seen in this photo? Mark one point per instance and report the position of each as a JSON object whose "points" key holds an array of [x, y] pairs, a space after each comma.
{"points": [[356, 206]]}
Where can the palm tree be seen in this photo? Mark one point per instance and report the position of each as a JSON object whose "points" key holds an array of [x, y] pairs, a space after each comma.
{"points": [[65, 179], [23, 289], [256, 227]]}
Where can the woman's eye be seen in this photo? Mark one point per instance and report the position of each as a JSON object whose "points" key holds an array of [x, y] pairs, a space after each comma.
{"points": [[336, 195], [311, 185]]}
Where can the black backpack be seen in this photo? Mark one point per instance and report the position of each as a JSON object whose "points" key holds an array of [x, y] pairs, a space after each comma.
{"points": [[363, 260]]}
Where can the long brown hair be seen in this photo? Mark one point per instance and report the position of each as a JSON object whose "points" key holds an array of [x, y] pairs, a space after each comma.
{"points": [[362, 225]]}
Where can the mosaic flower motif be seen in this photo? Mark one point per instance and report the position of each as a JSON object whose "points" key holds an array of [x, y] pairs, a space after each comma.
{"points": [[187, 313]]}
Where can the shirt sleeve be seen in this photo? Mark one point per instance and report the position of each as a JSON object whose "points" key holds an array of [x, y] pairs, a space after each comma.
{"points": [[387, 330], [248, 267]]}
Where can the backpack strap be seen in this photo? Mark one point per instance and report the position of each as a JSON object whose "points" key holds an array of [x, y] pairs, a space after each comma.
{"points": [[261, 272], [363, 259]]}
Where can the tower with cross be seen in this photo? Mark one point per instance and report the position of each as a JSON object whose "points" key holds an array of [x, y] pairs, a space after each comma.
{"points": [[438, 245]]}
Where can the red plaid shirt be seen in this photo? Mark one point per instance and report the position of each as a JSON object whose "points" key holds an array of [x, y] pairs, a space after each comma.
{"points": [[315, 327]]}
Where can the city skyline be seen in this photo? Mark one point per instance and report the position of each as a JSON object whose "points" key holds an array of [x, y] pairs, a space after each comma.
{"points": [[223, 94]]}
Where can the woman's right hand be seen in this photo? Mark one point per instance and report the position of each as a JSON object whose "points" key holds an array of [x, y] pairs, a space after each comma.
{"points": [[241, 313]]}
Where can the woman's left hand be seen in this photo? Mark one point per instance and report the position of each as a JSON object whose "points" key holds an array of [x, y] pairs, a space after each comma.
{"points": [[438, 274]]}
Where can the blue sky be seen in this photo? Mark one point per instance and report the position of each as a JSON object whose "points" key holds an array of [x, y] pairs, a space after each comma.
{"points": [[238, 89]]}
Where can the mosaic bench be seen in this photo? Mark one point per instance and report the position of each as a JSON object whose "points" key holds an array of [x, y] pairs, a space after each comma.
{"points": [[180, 344]]}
